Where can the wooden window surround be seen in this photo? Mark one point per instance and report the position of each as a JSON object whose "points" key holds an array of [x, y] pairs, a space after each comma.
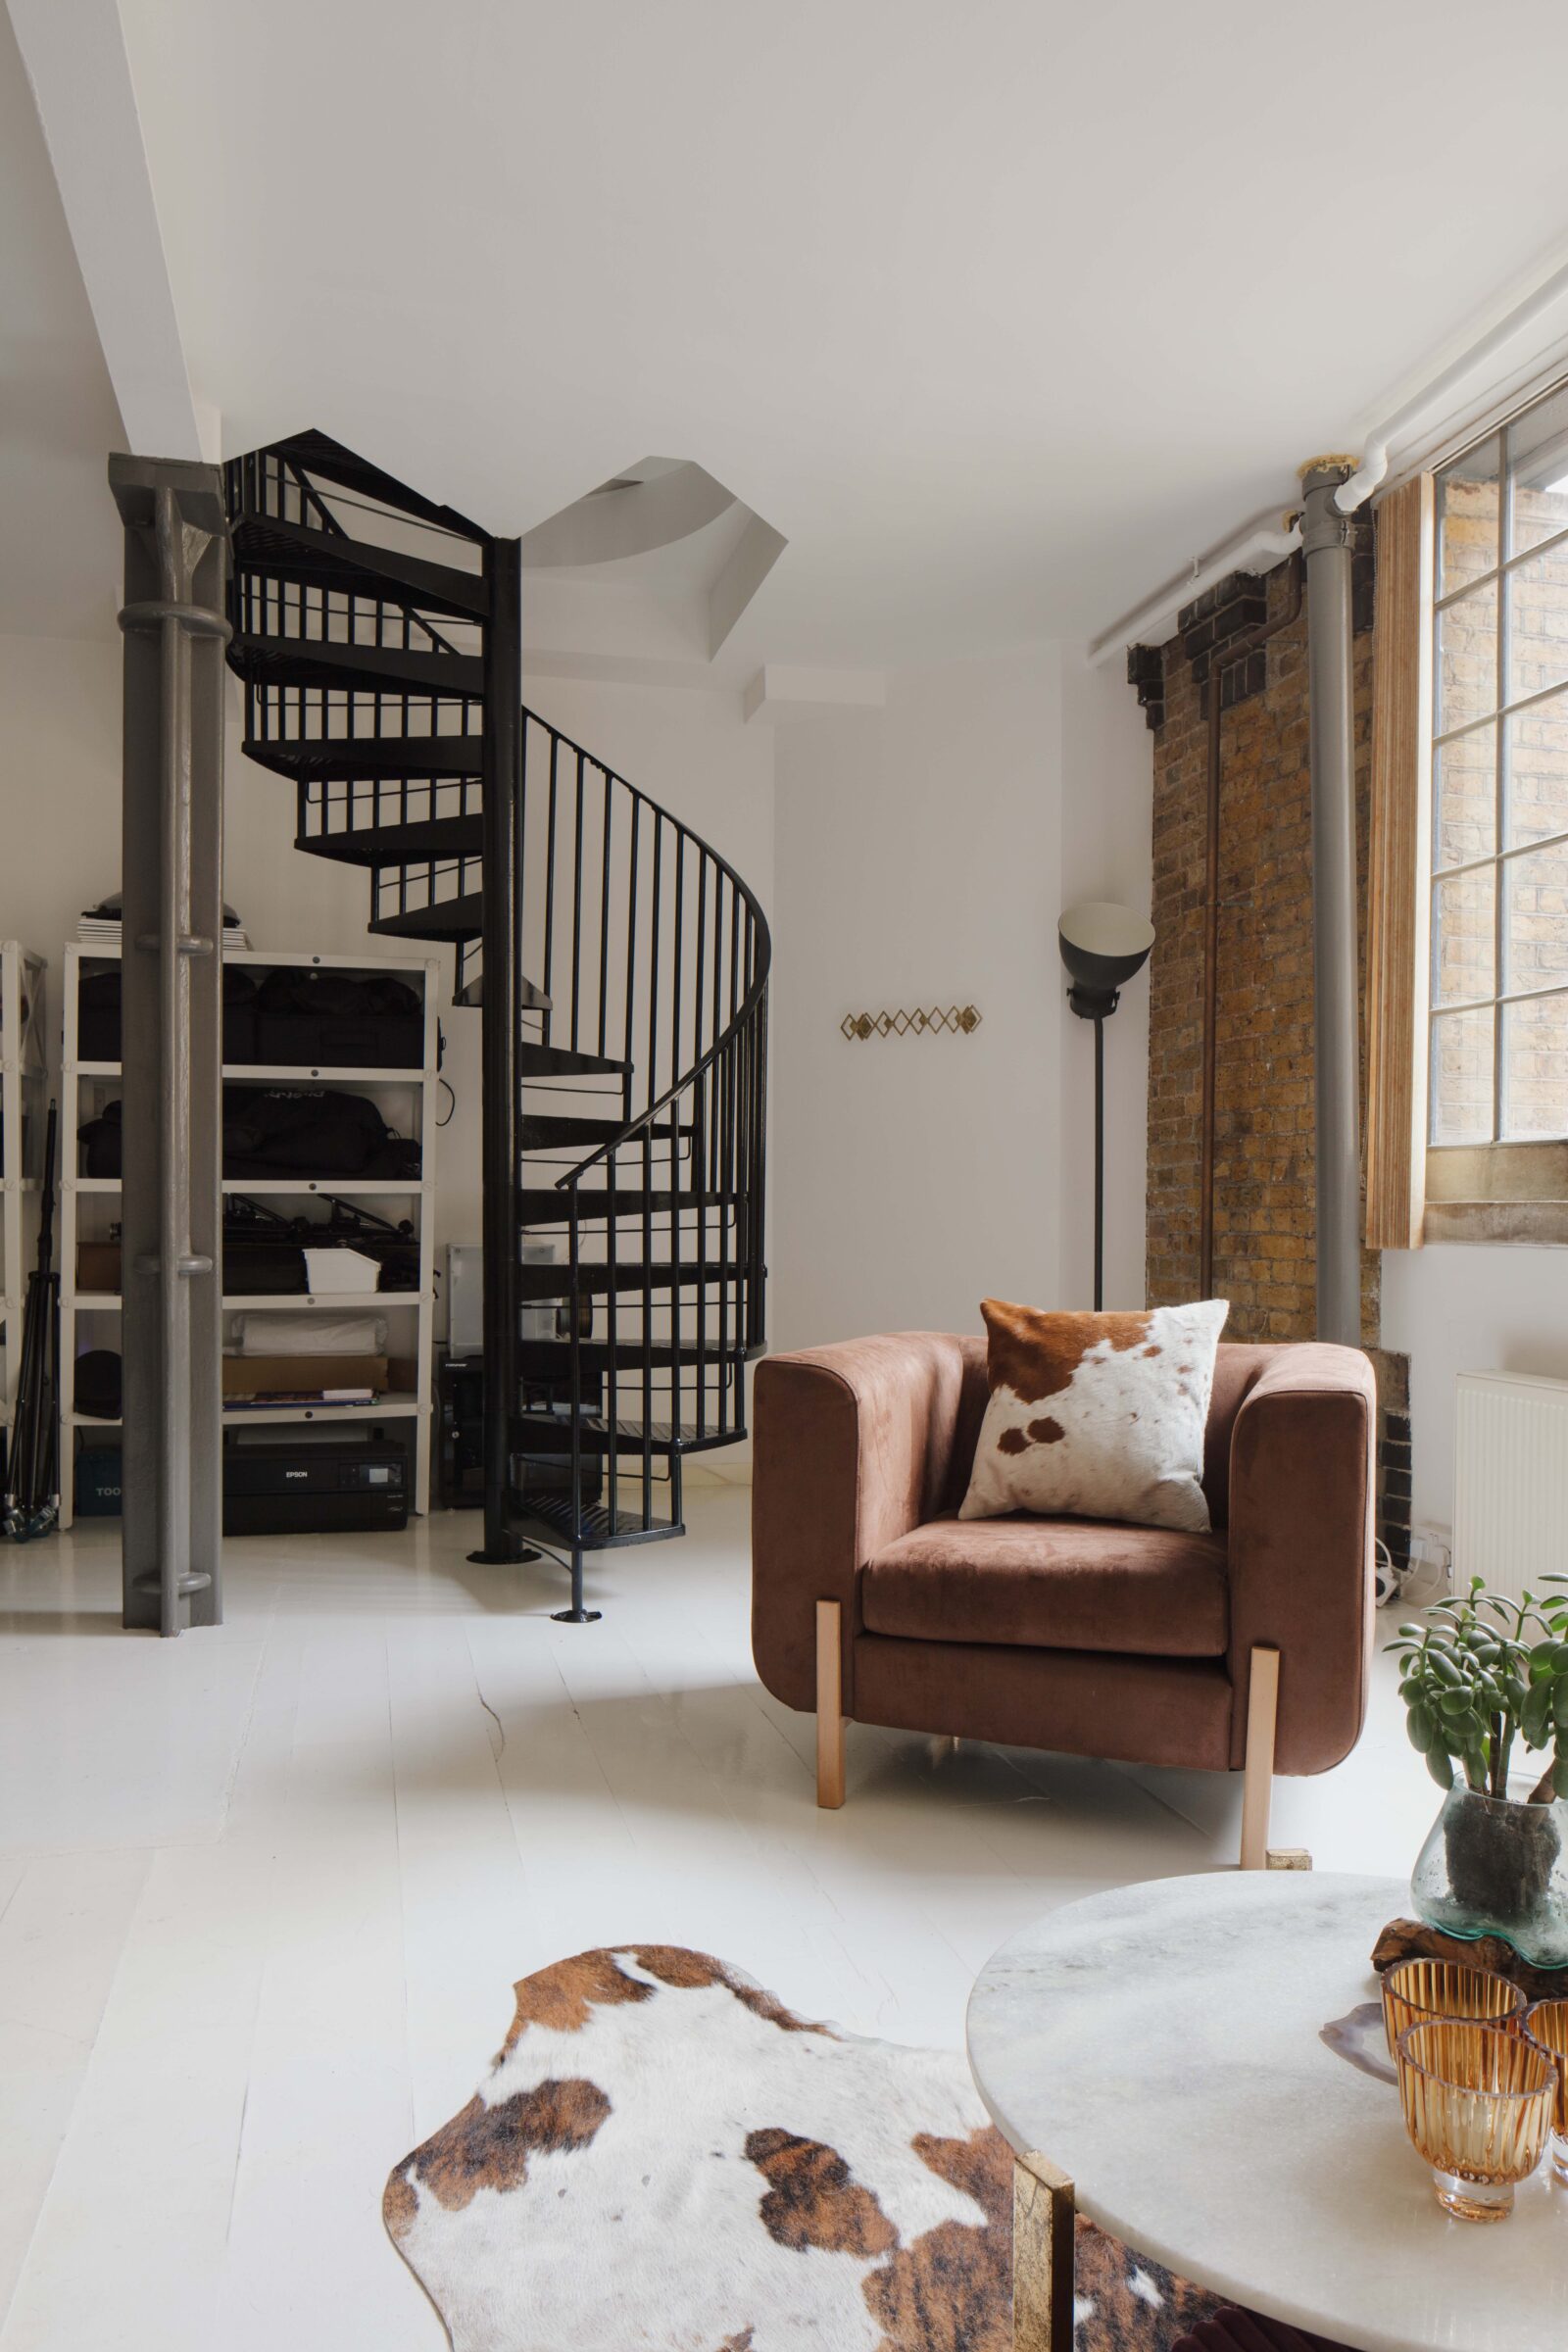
{"points": [[1468, 942]]}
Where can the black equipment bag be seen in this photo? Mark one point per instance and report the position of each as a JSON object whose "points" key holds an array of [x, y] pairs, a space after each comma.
{"points": [[323, 1020], [310, 1131], [283, 1131], [98, 1032]]}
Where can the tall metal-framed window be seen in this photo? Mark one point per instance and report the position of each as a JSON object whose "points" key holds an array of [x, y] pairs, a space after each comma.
{"points": [[1499, 997]]}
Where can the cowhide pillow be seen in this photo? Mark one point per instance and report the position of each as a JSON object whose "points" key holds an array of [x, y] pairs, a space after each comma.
{"points": [[1101, 1415]]}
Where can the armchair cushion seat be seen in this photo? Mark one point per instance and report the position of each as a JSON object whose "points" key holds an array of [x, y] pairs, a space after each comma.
{"points": [[1053, 1584]]}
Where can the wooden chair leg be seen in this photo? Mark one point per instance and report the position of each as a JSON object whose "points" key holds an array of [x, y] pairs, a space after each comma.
{"points": [[829, 1705], [1043, 2224], [1262, 1713]]}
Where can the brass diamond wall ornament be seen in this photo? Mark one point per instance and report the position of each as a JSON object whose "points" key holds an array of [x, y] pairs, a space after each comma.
{"points": [[959, 1020]]}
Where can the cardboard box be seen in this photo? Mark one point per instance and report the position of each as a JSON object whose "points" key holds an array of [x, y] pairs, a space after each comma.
{"points": [[98, 1266], [291, 1374]]}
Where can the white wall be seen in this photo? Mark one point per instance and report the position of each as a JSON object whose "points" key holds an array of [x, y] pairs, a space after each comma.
{"points": [[1457, 1308], [59, 790], [923, 856]]}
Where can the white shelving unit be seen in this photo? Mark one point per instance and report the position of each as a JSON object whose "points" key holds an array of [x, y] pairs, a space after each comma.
{"points": [[24, 1080], [407, 1099]]}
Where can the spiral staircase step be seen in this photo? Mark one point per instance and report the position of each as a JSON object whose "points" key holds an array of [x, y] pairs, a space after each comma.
{"points": [[293, 551], [551, 1131], [545, 1206], [595, 1526], [550, 1433], [319, 456], [452, 920], [371, 758], [361, 669], [628, 1276], [422, 840]]}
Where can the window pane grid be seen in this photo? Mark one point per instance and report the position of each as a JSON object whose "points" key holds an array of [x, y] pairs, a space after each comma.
{"points": [[1499, 785], [1523, 702], [1499, 1023], [1557, 544], [1518, 849], [1509, 996]]}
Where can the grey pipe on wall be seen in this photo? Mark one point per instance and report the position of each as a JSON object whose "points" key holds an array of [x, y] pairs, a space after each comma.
{"points": [[1326, 535]]}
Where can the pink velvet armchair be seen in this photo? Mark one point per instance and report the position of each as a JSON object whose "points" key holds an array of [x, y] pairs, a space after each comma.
{"points": [[1245, 1649]]}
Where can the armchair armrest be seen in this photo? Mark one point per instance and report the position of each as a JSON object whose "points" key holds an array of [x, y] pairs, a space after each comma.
{"points": [[1301, 1488], [850, 1449]]}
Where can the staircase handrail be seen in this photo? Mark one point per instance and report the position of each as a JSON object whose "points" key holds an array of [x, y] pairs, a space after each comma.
{"points": [[763, 959]]}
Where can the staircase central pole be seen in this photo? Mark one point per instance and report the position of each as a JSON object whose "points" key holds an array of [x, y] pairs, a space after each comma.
{"points": [[501, 1139]]}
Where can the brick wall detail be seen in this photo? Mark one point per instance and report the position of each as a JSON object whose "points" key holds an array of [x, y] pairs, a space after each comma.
{"points": [[1264, 1214]]}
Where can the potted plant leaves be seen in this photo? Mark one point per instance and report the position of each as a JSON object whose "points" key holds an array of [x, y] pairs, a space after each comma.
{"points": [[1485, 1678]]}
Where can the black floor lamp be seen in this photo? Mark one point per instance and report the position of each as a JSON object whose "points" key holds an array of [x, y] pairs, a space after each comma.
{"points": [[1102, 945]]}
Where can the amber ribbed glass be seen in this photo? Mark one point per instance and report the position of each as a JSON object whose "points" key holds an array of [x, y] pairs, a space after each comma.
{"points": [[1418, 1989], [1478, 2103], [1546, 2022]]}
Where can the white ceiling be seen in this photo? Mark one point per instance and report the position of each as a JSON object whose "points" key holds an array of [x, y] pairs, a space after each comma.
{"points": [[997, 312], [60, 536]]}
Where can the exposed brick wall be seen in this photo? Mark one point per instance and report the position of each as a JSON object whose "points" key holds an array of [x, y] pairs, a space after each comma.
{"points": [[1264, 1210]]}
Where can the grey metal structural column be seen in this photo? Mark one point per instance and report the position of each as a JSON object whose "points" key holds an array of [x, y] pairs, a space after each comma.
{"points": [[500, 1134], [1326, 541], [176, 559]]}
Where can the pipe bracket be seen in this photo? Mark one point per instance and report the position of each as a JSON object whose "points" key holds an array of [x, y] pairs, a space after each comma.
{"points": [[198, 621], [187, 943], [150, 1582]]}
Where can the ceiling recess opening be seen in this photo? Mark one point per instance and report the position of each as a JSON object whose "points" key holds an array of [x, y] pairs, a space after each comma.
{"points": [[663, 525]]}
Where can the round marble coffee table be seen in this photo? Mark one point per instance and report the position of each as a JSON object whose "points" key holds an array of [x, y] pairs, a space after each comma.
{"points": [[1162, 2046]]}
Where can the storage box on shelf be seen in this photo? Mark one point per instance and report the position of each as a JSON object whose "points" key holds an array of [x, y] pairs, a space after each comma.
{"points": [[23, 1101], [405, 1092]]}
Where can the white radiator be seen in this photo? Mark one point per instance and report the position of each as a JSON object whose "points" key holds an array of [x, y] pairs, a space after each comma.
{"points": [[1511, 1479]]}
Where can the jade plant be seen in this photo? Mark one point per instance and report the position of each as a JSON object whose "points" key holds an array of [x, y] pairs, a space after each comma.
{"points": [[1484, 1674]]}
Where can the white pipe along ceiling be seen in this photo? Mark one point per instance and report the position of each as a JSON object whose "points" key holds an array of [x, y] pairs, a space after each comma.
{"points": [[1274, 535]]}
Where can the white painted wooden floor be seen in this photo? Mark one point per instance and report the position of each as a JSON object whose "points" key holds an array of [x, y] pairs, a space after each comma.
{"points": [[263, 1890]]}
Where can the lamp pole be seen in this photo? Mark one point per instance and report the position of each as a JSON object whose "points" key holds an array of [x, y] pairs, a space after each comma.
{"points": [[1101, 946], [1100, 1161], [1097, 1005]]}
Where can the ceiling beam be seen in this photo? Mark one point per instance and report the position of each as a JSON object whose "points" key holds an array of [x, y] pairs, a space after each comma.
{"points": [[80, 76], [784, 691]]}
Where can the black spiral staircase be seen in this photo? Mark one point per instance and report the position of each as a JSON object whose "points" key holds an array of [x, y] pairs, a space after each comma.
{"points": [[620, 968]]}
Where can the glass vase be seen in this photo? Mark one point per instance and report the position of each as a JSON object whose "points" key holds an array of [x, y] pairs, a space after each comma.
{"points": [[1492, 1867], [1478, 2103]]}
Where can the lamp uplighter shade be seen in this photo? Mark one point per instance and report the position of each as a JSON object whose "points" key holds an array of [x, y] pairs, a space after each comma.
{"points": [[1103, 945], [1099, 927]]}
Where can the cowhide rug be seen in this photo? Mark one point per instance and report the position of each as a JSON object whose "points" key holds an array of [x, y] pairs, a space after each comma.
{"points": [[664, 2159]]}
